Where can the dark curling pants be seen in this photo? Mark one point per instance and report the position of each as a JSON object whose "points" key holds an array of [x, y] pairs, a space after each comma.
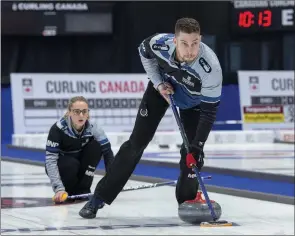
{"points": [[151, 111], [77, 170]]}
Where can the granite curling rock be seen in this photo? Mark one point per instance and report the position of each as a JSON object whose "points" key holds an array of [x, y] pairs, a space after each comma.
{"points": [[197, 211]]}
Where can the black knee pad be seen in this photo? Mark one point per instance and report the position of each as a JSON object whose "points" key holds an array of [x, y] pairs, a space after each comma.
{"points": [[187, 186]]}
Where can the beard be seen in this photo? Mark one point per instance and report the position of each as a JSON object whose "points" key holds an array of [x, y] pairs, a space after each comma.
{"points": [[188, 59], [185, 58]]}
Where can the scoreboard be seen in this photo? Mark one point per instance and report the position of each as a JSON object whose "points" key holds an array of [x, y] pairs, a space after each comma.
{"points": [[39, 114], [262, 16], [39, 100]]}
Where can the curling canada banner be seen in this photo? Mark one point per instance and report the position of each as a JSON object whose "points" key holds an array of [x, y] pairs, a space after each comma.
{"points": [[39, 100], [267, 99]]}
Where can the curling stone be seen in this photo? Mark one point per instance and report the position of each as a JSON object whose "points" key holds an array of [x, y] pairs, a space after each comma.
{"points": [[196, 212]]}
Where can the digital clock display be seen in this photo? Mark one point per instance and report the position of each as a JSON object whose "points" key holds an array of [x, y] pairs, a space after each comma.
{"points": [[263, 19]]}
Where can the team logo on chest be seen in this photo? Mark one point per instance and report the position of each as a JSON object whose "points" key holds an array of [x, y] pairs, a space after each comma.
{"points": [[160, 47], [188, 81], [205, 65]]}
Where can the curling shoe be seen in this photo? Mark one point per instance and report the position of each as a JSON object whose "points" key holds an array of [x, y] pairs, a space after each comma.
{"points": [[91, 207], [199, 199]]}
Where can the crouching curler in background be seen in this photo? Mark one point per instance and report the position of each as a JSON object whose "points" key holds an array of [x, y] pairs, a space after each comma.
{"points": [[74, 148]]}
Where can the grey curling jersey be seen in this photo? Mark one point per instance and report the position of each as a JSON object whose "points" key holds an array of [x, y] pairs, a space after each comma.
{"points": [[199, 81], [63, 140]]}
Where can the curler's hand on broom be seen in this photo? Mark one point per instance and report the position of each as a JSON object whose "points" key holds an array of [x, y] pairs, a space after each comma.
{"points": [[60, 196]]}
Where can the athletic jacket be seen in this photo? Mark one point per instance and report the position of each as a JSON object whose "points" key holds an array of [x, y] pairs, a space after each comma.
{"points": [[197, 84], [63, 139]]}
